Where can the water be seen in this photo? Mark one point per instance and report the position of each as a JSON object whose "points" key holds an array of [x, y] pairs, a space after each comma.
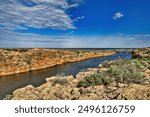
{"points": [[12, 82]]}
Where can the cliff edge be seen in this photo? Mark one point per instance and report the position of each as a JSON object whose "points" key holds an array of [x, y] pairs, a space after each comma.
{"points": [[22, 60]]}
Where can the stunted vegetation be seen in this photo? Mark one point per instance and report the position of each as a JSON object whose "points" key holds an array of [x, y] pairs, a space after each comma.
{"points": [[8, 97], [60, 81], [119, 71]]}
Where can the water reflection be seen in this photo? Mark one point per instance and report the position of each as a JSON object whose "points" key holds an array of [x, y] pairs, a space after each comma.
{"points": [[9, 83]]}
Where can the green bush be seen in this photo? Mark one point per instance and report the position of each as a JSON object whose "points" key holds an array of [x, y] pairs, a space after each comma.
{"points": [[126, 71], [120, 71], [107, 80], [95, 79]]}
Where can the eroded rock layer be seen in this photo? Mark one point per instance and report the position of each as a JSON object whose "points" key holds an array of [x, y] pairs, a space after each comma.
{"points": [[22, 60]]}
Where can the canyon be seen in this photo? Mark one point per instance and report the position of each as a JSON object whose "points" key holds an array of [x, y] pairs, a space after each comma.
{"points": [[14, 61], [111, 80]]}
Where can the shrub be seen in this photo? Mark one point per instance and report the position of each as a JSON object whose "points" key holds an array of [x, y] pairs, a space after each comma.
{"points": [[8, 97], [120, 71], [95, 79], [105, 64], [60, 81], [126, 71], [107, 80]]}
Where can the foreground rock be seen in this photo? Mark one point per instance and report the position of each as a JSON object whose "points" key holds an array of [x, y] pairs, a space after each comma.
{"points": [[22, 60], [141, 53], [48, 91], [66, 88]]}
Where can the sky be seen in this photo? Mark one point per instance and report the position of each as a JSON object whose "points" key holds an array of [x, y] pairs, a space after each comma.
{"points": [[74, 23]]}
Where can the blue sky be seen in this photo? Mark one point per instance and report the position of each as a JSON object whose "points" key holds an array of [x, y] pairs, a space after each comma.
{"points": [[75, 23]]}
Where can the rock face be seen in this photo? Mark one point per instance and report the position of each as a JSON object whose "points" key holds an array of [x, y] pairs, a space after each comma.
{"points": [[112, 80], [22, 60], [141, 53]]}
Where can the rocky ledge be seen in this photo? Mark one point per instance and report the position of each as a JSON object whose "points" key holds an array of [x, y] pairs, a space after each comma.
{"points": [[114, 80], [141, 53], [22, 60]]}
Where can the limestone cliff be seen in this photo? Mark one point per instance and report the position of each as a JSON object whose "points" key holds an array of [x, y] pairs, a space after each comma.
{"points": [[22, 60]]}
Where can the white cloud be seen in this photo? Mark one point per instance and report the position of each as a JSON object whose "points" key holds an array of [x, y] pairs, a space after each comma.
{"points": [[75, 3], [70, 33], [14, 14], [70, 41], [118, 15], [78, 18]]}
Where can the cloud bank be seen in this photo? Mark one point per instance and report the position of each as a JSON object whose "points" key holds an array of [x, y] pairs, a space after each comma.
{"points": [[52, 14], [38, 41], [19, 14]]}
